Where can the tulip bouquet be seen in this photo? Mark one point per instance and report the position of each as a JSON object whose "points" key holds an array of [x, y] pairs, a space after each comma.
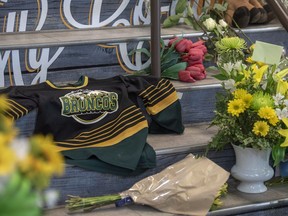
{"points": [[26, 167], [181, 59]]}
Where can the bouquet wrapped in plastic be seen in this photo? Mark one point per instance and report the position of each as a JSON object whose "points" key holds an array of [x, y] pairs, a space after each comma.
{"points": [[188, 187]]}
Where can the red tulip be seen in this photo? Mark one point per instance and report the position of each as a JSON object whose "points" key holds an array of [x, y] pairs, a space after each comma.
{"points": [[194, 69], [200, 45], [201, 66], [183, 45], [185, 76], [193, 62], [198, 76], [172, 41]]}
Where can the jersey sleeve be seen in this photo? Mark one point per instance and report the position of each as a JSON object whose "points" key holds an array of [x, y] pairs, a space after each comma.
{"points": [[19, 104], [160, 100]]}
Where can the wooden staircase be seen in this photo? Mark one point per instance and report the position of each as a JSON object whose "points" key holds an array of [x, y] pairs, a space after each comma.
{"points": [[61, 52]]}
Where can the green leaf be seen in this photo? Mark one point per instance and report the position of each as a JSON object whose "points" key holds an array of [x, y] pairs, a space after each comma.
{"points": [[278, 154], [220, 7], [180, 6], [18, 198], [172, 72], [142, 50], [191, 22], [167, 58], [168, 23], [220, 77], [175, 18], [166, 65], [163, 47], [172, 20], [212, 68], [190, 11]]}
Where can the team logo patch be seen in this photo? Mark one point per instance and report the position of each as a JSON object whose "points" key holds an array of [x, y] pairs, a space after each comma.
{"points": [[89, 106]]}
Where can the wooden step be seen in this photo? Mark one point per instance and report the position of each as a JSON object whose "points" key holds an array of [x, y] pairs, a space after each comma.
{"points": [[272, 202], [50, 38]]}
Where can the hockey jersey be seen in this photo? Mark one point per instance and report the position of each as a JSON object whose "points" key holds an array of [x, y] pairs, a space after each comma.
{"points": [[102, 124]]}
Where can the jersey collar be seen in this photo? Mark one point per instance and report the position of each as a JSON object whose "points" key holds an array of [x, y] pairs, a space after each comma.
{"points": [[82, 82]]}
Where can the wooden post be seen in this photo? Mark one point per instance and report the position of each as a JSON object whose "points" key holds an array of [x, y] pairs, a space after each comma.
{"points": [[155, 37]]}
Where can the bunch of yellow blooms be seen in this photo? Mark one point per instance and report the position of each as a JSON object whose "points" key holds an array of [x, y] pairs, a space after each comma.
{"points": [[26, 167], [252, 109]]}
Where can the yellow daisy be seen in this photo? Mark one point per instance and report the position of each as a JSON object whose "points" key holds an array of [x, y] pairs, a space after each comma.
{"points": [[236, 106], [238, 93], [273, 121], [266, 112], [261, 128]]}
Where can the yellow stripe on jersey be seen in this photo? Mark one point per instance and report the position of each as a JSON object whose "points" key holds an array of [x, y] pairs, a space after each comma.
{"points": [[162, 104], [152, 88], [120, 137], [16, 109], [160, 97], [127, 111], [108, 130]]}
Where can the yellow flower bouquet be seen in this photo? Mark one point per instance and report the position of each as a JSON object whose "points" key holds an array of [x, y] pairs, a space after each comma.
{"points": [[252, 109], [26, 168]]}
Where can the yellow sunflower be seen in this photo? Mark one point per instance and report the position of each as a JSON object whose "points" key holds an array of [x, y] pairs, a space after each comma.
{"points": [[235, 107], [261, 128]]}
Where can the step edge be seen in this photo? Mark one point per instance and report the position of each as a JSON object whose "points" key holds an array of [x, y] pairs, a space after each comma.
{"points": [[177, 31], [250, 207]]}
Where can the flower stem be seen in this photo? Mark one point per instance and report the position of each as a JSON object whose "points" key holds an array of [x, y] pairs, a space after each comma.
{"points": [[88, 204]]}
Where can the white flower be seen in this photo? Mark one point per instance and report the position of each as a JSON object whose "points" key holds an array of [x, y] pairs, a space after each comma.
{"points": [[228, 67], [223, 23], [210, 24], [286, 102], [277, 98], [282, 113], [51, 197], [238, 65], [229, 85], [21, 148]]}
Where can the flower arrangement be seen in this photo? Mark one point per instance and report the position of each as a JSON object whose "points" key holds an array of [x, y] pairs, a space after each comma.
{"points": [[183, 197], [181, 59], [26, 167], [251, 111]]}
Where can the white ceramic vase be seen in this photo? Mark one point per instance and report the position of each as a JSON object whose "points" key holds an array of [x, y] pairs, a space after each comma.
{"points": [[252, 169]]}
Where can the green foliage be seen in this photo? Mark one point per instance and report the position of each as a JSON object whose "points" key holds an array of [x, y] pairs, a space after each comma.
{"points": [[18, 198], [170, 72], [170, 61]]}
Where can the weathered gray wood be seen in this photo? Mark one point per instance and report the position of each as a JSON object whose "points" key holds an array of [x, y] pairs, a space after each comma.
{"points": [[80, 12]]}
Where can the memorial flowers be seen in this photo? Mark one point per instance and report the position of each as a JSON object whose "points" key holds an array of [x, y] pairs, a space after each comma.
{"points": [[191, 186], [26, 167], [181, 59], [251, 109]]}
